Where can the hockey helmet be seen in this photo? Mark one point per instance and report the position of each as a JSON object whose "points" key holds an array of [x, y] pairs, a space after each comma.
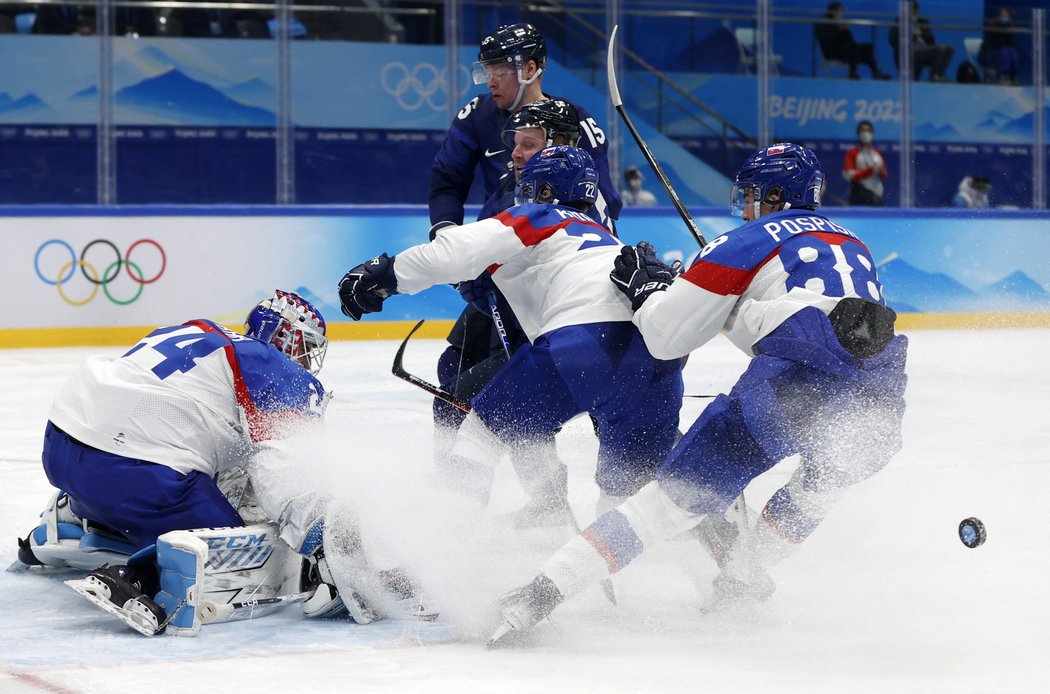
{"points": [[513, 45], [782, 173], [553, 116], [291, 324], [560, 175]]}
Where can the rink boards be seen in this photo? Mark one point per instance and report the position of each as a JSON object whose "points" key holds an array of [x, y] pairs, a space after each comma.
{"points": [[94, 275]]}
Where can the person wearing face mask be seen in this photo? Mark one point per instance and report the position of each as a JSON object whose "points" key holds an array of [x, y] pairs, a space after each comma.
{"points": [[635, 194], [865, 169], [998, 50]]}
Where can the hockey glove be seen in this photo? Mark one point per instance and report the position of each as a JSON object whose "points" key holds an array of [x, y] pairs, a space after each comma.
{"points": [[638, 273], [476, 291], [363, 289]]}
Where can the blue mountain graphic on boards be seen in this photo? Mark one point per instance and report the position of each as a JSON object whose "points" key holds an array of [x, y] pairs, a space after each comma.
{"points": [[29, 102], [908, 290], [185, 101], [1018, 285]]}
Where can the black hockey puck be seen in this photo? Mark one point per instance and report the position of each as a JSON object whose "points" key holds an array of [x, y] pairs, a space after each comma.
{"points": [[972, 533]]}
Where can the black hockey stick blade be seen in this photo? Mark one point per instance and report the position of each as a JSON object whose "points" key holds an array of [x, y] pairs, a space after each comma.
{"points": [[614, 95], [399, 371]]}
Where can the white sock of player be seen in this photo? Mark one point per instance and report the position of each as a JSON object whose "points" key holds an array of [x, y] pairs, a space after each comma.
{"points": [[616, 538]]}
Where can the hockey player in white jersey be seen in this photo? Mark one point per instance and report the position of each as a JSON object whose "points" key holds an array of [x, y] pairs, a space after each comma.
{"points": [[551, 261], [800, 294], [135, 446]]}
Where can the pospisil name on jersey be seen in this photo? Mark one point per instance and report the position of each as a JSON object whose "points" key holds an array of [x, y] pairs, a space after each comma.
{"points": [[803, 225]]}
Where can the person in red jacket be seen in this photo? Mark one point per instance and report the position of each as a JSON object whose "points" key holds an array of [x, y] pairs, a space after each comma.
{"points": [[865, 169]]}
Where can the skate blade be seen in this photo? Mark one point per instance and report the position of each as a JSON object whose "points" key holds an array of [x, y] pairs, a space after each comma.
{"points": [[86, 589], [499, 637]]}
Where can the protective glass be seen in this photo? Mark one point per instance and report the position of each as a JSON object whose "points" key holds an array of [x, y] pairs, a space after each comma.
{"points": [[742, 195], [529, 141], [491, 71]]}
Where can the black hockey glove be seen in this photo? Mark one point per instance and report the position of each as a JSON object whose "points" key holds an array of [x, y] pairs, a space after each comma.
{"points": [[476, 291], [363, 289], [638, 273]]}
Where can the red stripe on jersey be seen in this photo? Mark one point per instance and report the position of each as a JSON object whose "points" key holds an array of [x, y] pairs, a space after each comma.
{"points": [[611, 562], [261, 424], [530, 235], [722, 280]]}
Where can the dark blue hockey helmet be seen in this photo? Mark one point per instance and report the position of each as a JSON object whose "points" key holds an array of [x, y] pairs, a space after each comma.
{"points": [[782, 173], [561, 174], [553, 116], [513, 45], [291, 324]]}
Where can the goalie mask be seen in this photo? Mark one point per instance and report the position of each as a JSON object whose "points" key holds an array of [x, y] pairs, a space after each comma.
{"points": [[557, 119], [561, 175], [509, 47], [291, 324], [783, 173]]}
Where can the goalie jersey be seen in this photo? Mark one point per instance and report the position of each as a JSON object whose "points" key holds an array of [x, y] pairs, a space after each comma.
{"points": [[751, 279], [552, 264], [192, 397]]}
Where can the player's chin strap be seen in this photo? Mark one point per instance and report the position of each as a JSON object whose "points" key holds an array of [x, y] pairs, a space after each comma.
{"points": [[522, 83]]}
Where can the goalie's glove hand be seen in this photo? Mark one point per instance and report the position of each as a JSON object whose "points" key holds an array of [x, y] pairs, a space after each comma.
{"points": [[363, 289], [476, 291], [637, 272]]}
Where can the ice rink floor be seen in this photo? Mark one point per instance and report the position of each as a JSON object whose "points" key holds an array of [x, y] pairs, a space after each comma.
{"points": [[882, 598]]}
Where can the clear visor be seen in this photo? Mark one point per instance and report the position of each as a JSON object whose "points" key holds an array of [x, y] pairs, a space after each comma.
{"points": [[529, 142], [485, 72], [524, 192], [742, 195]]}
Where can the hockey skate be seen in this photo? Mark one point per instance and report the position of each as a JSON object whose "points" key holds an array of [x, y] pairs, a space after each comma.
{"points": [[525, 607], [119, 592]]}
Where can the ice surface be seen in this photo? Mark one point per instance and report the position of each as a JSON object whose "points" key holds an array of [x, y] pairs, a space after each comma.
{"points": [[882, 598]]}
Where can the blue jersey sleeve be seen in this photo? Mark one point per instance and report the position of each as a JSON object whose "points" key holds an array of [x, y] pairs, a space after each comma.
{"points": [[474, 139]]}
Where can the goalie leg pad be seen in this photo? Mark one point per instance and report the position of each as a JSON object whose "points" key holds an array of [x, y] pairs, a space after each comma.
{"points": [[181, 558]]}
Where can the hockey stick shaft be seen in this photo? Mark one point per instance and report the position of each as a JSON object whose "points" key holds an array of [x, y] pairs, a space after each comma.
{"points": [[614, 94], [398, 370], [497, 319], [214, 612]]}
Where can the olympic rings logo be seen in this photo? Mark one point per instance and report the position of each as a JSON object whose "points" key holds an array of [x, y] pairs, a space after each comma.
{"points": [[91, 274], [423, 84]]}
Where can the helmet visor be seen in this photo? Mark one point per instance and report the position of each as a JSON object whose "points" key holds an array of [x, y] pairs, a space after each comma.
{"points": [[496, 71], [742, 195]]}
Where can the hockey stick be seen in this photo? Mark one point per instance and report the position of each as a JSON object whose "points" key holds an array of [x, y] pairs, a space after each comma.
{"points": [[497, 319], [214, 612], [614, 94], [399, 371]]}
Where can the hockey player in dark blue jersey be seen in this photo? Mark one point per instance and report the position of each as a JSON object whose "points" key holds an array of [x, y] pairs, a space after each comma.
{"points": [[801, 295], [511, 61]]}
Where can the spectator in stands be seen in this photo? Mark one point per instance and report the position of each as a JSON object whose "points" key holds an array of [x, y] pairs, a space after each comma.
{"points": [[635, 194], [998, 51], [837, 43], [926, 52], [974, 192], [865, 169]]}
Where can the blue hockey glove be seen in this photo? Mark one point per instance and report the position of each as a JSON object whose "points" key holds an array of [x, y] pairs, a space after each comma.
{"points": [[638, 273], [476, 291], [363, 289]]}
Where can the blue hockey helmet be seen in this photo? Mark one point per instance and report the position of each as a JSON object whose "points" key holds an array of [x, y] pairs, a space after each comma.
{"points": [[782, 173], [561, 174], [291, 324]]}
